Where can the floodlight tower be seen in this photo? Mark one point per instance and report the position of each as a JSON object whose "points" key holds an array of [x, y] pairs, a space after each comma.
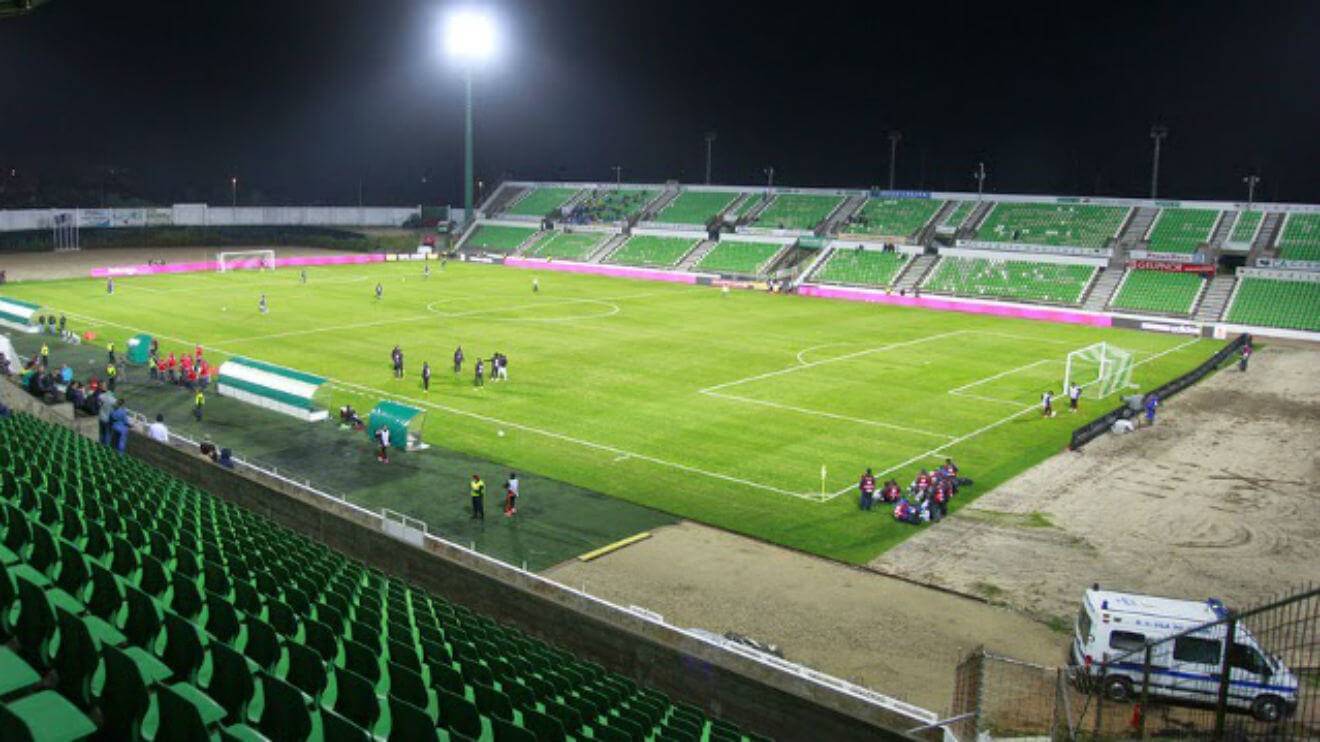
{"points": [[894, 137], [1157, 133], [470, 39], [979, 174], [710, 140], [1252, 181], [233, 191], [618, 175], [769, 176]]}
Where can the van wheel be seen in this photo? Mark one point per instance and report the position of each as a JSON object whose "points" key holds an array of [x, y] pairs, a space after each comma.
{"points": [[1118, 689], [1267, 708]]}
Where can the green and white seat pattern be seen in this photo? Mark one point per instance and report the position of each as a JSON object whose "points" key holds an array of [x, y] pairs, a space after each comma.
{"points": [[861, 267], [744, 258], [695, 207], [542, 201], [1058, 283], [1057, 225], [1300, 238], [1246, 226], [498, 238], [1182, 230], [797, 211], [1270, 302], [1165, 292], [957, 215], [652, 250], [152, 606], [892, 217], [613, 205], [566, 245]]}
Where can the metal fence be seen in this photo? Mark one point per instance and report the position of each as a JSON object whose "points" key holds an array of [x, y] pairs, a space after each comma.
{"points": [[1264, 684]]}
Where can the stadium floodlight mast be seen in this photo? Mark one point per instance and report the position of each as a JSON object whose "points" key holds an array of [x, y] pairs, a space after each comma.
{"points": [[894, 137], [618, 175], [979, 174], [769, 176], [1252, 181], [470, 39], [710, 140], [1157, 132], [233, 191]]}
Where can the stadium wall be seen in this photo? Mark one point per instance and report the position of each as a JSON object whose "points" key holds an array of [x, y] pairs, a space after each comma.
{"points": [[202, 215], [619, 271], [970, 306], [212, 265], [746, 690]]}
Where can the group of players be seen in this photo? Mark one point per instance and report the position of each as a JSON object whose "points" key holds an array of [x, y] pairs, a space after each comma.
{"points": [[926, 500], [497, 366]]}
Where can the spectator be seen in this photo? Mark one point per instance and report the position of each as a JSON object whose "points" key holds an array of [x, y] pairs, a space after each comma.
{"points": [[226, 458], [209, 451], [119, 426], [157, 430], [5, 369], [866, 488]]}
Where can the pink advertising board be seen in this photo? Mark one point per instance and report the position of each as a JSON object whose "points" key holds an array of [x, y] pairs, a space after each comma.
{"points": [[620, 271], [211, 265], [970, 306]]}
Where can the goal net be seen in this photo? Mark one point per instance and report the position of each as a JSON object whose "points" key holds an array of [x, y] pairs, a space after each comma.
{"points": [[249, 260], [1100, 370]]}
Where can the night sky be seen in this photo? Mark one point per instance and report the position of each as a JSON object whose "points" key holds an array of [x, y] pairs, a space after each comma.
{"points": [[303, 100]]}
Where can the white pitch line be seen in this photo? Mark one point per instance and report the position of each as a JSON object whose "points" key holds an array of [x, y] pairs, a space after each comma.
{"points": [[830, 415], [506, 423], [1001, 421], [835, 359], [1001, 374]]}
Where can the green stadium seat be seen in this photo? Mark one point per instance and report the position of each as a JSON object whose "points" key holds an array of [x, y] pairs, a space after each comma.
{"points": [[410, 687], [1062, 225], [42, 717], [861, 267], [649, 250], [76, 660], [546, 727], [306, 670], [1182, 230], [338, 729], [459, 714], [16, 676], [498, 238], [492, 702], [507, 731], [695, 207], [892, 217], [35, 628], [797, 211], [355, 698], [407, 722], [1060, 283], [541, 201], [186, 713], [566, 246], [1276, 302], [744, 258], [125, 700], [1158, 291], [1299, 239]]}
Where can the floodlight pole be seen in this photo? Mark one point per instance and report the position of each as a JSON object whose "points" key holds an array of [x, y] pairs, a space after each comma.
{"points": [[1157, 132], [1251, 181], [618, 175], [770, 177], [979, 174], [468, 213], [894, 137], [233, 192], [710, 140]]}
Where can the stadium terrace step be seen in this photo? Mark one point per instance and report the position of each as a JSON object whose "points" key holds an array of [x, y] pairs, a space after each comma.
{"points": [[916, 272], [841, 214], [1138, 224], [1214, 298], [607, 249], [1223, 228], [1263, 246], [503, 196], [665, 198], [973, 221], [699, 252], [1103, 289]]}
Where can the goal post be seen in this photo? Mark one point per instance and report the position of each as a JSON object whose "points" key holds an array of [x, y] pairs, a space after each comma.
{"points": [[233, 260], [1100, 370]]}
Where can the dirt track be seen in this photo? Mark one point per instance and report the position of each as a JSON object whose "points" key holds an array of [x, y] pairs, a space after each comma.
{"points": [[900, 639], [1220, 498]]}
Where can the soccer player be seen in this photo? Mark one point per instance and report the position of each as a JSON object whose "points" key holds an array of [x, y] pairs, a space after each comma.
{"points": [[109, 286], [536, 285], [511, 495], [380, 291], [426, 270], [261, 304], [478, 489], [477, 380], [426, 377], [458, 359], [1047, 404], [1074, 396], [302, 276], [1152, 404]]}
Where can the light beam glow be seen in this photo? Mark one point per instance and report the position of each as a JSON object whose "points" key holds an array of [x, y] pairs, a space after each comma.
{"points": [[470, 35]]}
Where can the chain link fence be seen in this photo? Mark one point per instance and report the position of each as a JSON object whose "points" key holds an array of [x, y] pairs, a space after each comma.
{"points": [[1264, 684]]}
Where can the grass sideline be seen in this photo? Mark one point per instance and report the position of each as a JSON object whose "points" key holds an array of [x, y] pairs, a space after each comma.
{"points": [[720, 408]]}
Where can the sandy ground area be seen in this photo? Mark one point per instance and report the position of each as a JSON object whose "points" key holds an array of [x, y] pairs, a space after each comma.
{"points": [[900, 639], [31, 266], [1220, 498]]}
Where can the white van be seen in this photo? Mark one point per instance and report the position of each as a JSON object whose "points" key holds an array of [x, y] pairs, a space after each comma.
{"points": [[1113, 628]]}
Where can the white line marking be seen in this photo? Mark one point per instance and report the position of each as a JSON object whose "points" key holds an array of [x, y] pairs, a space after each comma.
{"points": [[805, 351], [506, 423], [820, 413], [1000, 375]]}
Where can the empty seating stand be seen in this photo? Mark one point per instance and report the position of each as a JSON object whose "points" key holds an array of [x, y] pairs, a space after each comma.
{"points": [[566, 245], [892, 217], [1058, 283], [1300, 238], [497, 237], [743, 258], [164, 613], [797, 211], [649, 250], [696, 207], [861, 267], [1270, 302], [542, 201], [1067, 225], [1165, 292]]}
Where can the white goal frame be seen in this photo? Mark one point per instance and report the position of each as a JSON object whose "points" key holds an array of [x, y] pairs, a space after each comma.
{"points": [[245, 260], [1112, 370]]}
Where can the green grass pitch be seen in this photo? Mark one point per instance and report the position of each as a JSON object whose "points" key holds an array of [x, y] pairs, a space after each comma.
{"points": [[718, 407]]}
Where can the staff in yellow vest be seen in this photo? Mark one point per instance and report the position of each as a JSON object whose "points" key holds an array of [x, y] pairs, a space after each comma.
{"points": [[111, 374], [111, 348], [199, 402], [45, 356]]}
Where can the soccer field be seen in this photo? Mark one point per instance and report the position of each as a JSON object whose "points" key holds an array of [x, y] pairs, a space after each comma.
{"points": [[718, 407]]}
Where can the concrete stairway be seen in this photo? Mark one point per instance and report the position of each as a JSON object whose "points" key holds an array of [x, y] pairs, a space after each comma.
{"points": [[1102, 289], [1137, 225], [502, 198], [657, 204], [528, 243], [1222, 228], [840, 215], [607, 249], [696, 254], [1214, 299], [974, 220], [915, 272], [926, 235], [812, 266], [1263, 246]]}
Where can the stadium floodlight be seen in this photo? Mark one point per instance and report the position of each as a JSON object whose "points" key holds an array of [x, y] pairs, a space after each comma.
{"points": [[1252, 181], [979, 174], [469, 37], [233, 191], [1157, 132], [894, 137]]}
